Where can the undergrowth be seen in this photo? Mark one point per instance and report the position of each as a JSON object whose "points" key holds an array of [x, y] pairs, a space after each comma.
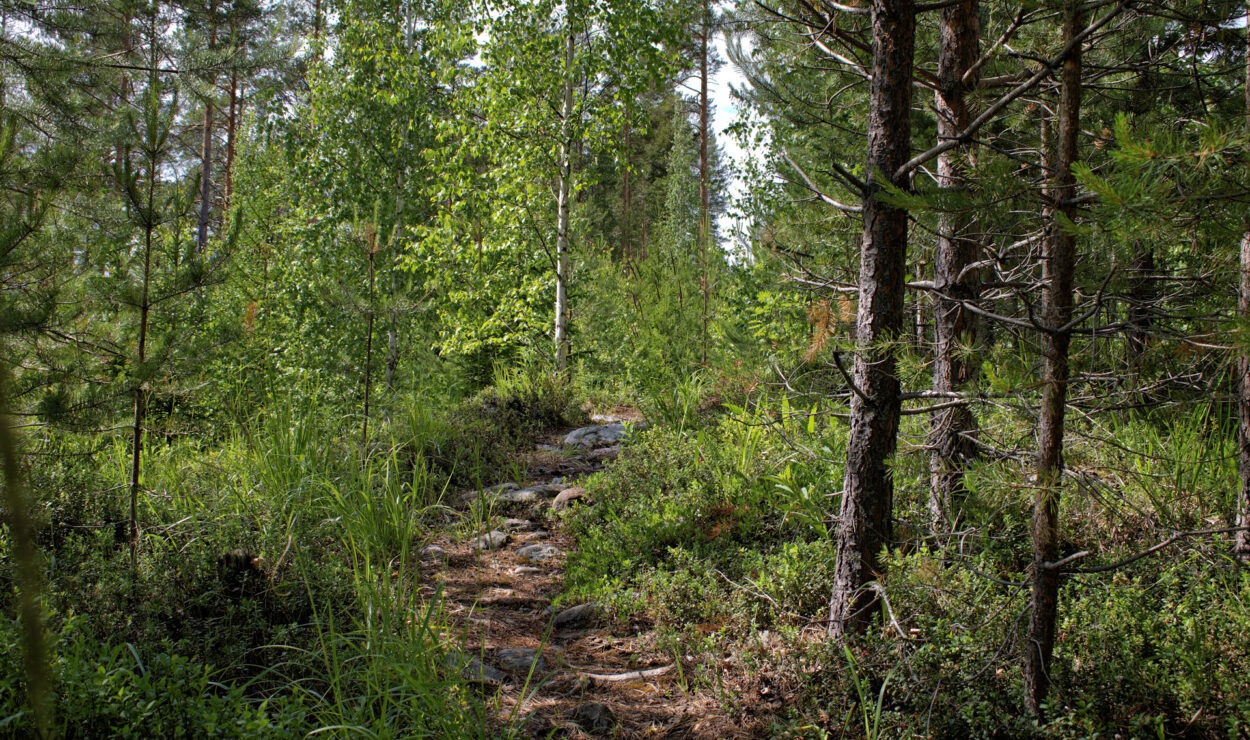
{"points": [[277, 588], [720, 530]]}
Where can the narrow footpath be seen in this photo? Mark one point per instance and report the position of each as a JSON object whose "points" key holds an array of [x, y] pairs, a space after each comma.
{"points": [[547, 672]]}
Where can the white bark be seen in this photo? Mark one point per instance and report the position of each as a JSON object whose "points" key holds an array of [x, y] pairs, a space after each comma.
{"points": [[563, 265]]}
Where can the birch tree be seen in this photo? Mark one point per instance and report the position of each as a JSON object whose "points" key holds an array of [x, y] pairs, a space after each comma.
{"points": [[541, 117]]}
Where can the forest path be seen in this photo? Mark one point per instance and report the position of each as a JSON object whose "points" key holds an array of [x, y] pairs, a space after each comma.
{"points": [[568, 672]]}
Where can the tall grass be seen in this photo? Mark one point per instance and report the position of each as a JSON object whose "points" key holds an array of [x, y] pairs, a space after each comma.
{"points": [[278, 577]]}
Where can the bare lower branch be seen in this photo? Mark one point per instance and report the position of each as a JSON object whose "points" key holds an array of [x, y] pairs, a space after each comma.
{"points": [[997, 107]]}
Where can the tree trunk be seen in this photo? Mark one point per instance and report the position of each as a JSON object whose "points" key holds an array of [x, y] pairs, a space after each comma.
{"points": [[392, 327], [627, 247], [140, 408], [392, 347], [206, 181], [206, 152], [369, 319], [232, 127], [563, 266], [23, 534], [145, 309], [705, 209], [952, 443], [1058, 266], [1143, 295], [1242, 540], [867, 499]]}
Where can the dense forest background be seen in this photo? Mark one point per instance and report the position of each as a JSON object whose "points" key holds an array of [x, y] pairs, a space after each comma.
{"points": [[946, 374]]}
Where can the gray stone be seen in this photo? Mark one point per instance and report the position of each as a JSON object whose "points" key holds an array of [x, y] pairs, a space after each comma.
{"points": [[537, 553], [433, 553], [575, 615], [492, 540], [546, 490], [529, 494], [520, 660], [567, 497], [599, 435], [473, 669], [468, 497], [604, 454], [518, 525], [595, 718]]}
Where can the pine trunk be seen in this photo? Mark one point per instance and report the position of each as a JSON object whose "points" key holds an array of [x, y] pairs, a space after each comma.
{"points": [[868, 496], [1058, 267], [952, 442], [1143, 296], [145, 309], [1242, 539], [705, 210]]}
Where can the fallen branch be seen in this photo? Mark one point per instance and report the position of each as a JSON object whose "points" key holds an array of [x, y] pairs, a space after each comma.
{"points": [[630, 676]]}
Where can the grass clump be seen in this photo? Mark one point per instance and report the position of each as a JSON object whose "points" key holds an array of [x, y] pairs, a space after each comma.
{"points": [[277, 592]]}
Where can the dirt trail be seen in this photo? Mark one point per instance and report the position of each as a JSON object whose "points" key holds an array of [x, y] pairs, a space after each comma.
{"points": [[557, 673]]}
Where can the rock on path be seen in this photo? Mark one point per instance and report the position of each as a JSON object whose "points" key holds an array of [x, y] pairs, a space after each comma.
{"points": [[574, 615], [492, 540], [536, 554], [599, 435], [567, 497]]}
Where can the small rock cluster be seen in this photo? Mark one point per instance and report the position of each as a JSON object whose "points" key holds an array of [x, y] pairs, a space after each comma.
{"points": [[534, 555]]}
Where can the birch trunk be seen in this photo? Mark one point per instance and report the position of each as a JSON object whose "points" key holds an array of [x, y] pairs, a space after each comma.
{"points": [[563, 265], [206, 151], [1242, 540]]}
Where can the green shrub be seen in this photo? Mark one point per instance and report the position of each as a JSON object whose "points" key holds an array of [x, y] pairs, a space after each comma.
{"points": [[697, 525], [121, 690]]}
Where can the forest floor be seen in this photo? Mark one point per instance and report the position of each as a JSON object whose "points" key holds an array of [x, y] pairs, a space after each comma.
{"points": [[564, 672]]}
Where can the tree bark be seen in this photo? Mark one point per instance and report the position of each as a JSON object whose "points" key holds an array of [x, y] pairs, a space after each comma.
{"points": [[1143, 295], [145, 308], [206, 181], [232, 127], [867, 499], [563, 265], [952, 442], [370, 315], [1058, 267], [1241, 543], [24, 536], [705, 209], [206, 151], [627, 247]]}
